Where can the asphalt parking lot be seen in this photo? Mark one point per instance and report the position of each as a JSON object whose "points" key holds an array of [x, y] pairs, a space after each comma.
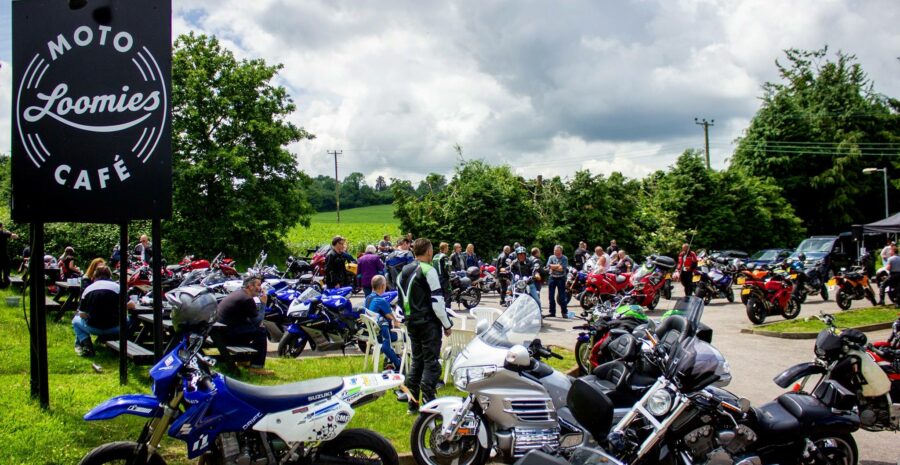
{"points": [[755, 360]]}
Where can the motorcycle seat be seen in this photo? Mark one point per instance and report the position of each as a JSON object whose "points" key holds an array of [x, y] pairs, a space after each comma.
{"points": [[853, 276], [776, 422], [807, 409], [269, 399]]}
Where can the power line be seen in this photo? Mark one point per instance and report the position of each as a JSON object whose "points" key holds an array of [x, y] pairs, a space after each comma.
{"points": [[337, 183]]}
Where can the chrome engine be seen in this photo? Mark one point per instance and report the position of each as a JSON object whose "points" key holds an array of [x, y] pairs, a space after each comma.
{"points": [[873, 415], [724, 447], [519, 441]]}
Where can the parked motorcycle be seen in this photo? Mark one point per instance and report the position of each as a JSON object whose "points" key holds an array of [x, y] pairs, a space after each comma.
{"points": [[770, 297], [521, 286], [225, 421], [487, 281], [603, 286], [464, 287], [714, 278], [852, 285], [649, 280], [576, 283], [600, 329], [881, 280], [323, 321], [684, 419], [809, 277], [871, 373]]}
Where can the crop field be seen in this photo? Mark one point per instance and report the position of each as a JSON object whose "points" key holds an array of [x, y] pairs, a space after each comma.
{"points": [[361, 226]]}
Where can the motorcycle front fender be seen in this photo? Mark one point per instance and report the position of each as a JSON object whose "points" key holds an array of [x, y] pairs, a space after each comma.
{"points": [[448, 408], [797, 372], [141, 405]]}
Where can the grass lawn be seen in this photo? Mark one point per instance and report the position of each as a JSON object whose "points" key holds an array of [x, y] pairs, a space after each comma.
{"points": [[361, 226], [30, 435], [848, 319]]}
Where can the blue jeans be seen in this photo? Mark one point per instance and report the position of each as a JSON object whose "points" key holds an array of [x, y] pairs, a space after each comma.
{"points": [[387, 336], [83, 330], [535, 294], [558, 284]]}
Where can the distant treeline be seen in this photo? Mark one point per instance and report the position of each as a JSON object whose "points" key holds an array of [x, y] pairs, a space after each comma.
{"points": [[356, 192]]}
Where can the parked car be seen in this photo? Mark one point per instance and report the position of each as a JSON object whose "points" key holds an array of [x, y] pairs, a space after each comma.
{"points": [[729, 254], [834, 252], [767, 257]]}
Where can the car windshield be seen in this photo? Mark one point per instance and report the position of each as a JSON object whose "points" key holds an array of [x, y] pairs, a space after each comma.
{"points": [[519, 324], [815, 245], [769, 254]]}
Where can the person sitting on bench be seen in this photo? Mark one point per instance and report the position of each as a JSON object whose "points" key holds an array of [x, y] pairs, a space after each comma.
{"points": [[244, 318], [98, 311]]}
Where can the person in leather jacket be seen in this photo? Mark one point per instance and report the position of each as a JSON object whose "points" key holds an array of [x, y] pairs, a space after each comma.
{"points": [[525, 267]]}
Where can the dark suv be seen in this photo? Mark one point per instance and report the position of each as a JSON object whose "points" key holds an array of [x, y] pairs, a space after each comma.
{"points": [[834, 252]]}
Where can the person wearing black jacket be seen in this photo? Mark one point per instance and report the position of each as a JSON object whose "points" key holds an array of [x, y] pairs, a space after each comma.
{"points": [[580, 256], [422, 300], [525, 266], [458, 258], [503, 266], [336, 263]]}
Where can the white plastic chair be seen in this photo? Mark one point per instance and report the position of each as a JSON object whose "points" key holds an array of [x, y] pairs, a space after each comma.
{"points": [[373, 347], [453, 345], [485, 313], [463, 318]]}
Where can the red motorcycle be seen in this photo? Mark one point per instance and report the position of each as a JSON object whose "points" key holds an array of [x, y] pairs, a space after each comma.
{"points": [[651, 280], [140, 281], [771, 296], [487, 281], [600, 287], [887, 355]]}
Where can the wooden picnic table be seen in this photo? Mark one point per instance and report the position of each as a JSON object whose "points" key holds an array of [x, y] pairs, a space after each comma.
{"points": [[72, 295]]}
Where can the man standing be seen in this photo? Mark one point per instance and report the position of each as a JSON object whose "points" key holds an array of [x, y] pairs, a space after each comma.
{"points": [[612, 248], [441, 263], [559, 265], [457, 258], [687, 262], [397, 259], [581, 255], [143, 251], [426, 318], [240, 312], [502, 269], [542, 271], [370, 265], [336, 263], [885, 252], [893, 267], [5, 235]]}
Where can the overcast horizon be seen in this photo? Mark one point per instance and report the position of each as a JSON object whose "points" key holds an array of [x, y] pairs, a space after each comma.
{"points": [[548, 88]]}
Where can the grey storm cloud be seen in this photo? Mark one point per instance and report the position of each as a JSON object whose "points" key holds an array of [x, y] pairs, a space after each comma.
{"points": [[548, 87]]}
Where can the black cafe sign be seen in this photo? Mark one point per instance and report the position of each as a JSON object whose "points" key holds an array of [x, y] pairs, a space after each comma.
{"points": [[91, 110]]}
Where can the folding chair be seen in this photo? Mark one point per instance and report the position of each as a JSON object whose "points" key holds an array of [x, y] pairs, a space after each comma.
{"points": [[453, 345], [485, 313]]}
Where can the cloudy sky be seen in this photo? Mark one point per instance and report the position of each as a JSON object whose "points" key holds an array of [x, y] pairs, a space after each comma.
{"points": [[546, 86]]}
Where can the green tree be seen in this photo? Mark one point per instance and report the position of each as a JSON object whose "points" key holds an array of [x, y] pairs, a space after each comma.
{"points": [[432, 184], [815, 132], [236, 188]]}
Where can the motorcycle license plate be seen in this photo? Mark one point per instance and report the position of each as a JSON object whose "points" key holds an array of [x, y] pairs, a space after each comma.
{"points": [[745, 291], [832, 282], [741, 280], [696, 278], [793, 276]]}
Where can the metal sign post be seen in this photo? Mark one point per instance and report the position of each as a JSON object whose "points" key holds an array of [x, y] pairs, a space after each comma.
{"points": [[91, 127]]}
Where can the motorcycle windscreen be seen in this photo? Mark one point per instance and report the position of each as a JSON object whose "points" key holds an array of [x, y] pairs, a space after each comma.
{"points": [[519, 324]]}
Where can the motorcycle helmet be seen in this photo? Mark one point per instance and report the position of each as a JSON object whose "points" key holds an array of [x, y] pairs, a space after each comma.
{"points": [[521, 249], [801, 256], [193, 308], [473, 272]]}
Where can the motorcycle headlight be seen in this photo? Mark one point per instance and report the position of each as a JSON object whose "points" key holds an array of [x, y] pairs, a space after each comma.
{"points": [[639, 286], [660, 402], [463, 376]]}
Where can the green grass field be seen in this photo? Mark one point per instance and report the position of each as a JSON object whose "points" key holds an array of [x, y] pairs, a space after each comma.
{"points": [[361, 226], [59, 435], [849, 319]]}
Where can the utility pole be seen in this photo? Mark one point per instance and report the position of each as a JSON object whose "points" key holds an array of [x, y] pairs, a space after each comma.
{"points": [[706, 125], [337, 183]]}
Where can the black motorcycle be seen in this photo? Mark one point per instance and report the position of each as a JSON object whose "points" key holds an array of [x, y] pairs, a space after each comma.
{"points": [[682, 418], [809, 278], [464, 287]]}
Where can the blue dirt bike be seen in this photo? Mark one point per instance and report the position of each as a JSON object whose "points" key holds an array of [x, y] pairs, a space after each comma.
{"points": [[324, 322], [226, 421]]}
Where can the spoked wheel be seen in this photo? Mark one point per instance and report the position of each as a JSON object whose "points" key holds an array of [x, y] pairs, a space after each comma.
{"points": [[588, 300], [470, 297], [583, 356], [756, 311], [837, 449], [358, 447], [429, 449], [122, 452], [843, 299], [289, 347], [792, 310]]}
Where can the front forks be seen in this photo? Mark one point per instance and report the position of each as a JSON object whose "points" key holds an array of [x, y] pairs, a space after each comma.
{"points": [[158, 426], [448, 431]]}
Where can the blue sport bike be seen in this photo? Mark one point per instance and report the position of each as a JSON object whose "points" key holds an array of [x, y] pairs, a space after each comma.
{"points": [[224, 421]]}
